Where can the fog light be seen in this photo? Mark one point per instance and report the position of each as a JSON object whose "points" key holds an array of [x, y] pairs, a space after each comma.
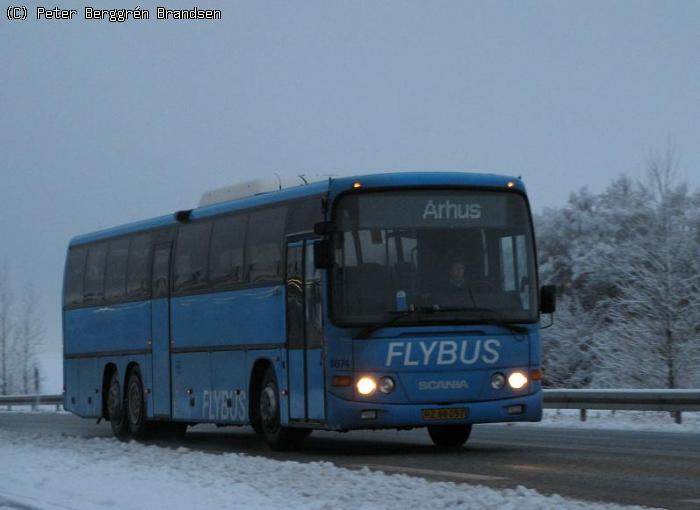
{"points": [[386, 385], [498, 381], [368, 415], [366, 386], [520, 409], [517, 380]]}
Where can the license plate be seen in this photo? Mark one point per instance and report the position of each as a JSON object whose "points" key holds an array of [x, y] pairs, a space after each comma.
{"points": [[444, 414]]}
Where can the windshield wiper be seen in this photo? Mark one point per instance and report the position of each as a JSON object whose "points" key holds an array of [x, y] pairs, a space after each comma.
{"points": [[480, 319], [489, 319], [365, 332]]}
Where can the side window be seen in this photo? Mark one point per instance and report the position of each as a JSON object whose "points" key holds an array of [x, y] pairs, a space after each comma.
{"points": [[301, 216], [192, 256], [295, 297], [226, 254], [115, 278], [93, 291], [75, 271], [161, 272], [264, 245], [137, 283], [312, 293]]}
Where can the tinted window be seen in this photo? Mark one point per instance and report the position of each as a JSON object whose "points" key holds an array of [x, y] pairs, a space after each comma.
{"points": [[302, 216], [74, 277], [137, 284], [295, 298], [95, 273], [115, 279], [264, 253], [192, 256], [161, 272], [226, 255]]}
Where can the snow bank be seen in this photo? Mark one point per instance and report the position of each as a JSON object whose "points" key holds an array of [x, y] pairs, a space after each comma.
{"points": [[59, 471], [649, 421]]}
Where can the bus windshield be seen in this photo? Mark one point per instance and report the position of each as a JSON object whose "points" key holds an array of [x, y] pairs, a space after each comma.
{"points": [[469, 254]]}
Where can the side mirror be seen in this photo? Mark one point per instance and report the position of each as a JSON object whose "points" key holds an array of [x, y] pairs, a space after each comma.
{"points": [[324, 228], [323, 254], [548, 299]]}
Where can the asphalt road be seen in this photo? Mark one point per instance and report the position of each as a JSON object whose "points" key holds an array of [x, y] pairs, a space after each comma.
{"points": [[644, 468]]}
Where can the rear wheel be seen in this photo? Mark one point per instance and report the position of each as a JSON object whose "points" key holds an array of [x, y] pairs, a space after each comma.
{"points": [[276, 436], [115, 408], [136, 406], [449, 436]]}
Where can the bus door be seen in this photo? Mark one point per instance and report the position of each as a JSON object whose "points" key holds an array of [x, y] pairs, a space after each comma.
{"points": [[304, 333], [160, 330]]}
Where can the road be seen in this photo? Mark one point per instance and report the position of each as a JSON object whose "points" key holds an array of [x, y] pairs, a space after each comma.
{"points": [[644, 468]]}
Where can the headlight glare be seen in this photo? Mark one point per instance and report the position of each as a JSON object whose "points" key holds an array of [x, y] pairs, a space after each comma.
{"points": [[366, 386], [517, 380]]}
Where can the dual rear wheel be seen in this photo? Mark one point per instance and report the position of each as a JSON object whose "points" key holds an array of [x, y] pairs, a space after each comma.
{"points": [[126, 411]]}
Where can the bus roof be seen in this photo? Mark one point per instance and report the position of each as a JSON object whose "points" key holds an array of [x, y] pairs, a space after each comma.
{"points": [[332, 187]]}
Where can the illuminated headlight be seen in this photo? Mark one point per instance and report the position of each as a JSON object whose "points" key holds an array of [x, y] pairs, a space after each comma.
{"points": [[517, 380], [366, 386], [386, 385], [498, 381]]}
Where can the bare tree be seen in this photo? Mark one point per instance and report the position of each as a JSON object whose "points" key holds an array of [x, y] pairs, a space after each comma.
{"points": [[29, 337], [6, 306]]}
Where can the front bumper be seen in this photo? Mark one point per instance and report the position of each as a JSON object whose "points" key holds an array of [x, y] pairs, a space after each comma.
{"points": [[346, 414]]}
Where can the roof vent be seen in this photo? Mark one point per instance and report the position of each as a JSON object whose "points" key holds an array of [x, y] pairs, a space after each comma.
{"points": [[256, 187]]}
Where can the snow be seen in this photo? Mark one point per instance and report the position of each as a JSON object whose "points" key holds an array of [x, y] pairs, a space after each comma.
{"points": [[52, 471], [650, 421]]}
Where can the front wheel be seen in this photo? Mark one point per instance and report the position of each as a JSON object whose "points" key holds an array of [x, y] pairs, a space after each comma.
{"points": [[276, 436], [449, 436]]}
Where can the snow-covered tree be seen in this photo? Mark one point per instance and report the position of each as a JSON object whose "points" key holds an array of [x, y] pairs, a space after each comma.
{"points": [[627, 264]]}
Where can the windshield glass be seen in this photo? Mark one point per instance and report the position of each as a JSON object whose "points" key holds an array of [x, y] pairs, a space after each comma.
{"points": [[467, 255]]}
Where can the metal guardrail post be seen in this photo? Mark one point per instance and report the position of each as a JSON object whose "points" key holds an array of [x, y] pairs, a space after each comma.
{"points": [[582, 414]]}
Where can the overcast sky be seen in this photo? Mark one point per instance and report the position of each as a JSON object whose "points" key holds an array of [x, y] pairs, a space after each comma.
{"points": [[104, 123]]}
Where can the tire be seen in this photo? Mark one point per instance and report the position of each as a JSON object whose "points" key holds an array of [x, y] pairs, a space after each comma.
{"points": [[136, 406], [115, 408], [449, 436], [276, 436]]}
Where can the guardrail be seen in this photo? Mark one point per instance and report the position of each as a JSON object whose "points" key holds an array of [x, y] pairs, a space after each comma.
{"points": [[31, 400], [674, 401]]}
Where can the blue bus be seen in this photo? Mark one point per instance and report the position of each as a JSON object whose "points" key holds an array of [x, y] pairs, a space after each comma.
{"points": [[394, 300]]}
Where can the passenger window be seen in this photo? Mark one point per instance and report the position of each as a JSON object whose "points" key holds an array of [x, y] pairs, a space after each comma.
{"points": [[137, 285], [264, 245], [74, 277], [93, 291], [191, 257], [226, 255], [115, 279], [301, 216]]}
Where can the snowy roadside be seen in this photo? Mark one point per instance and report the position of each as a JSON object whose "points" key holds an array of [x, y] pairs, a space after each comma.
{"points": [[51, 471], [649, 421]]}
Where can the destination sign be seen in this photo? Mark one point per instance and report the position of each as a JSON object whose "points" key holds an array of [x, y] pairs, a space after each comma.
{"points": [[425, 209]]}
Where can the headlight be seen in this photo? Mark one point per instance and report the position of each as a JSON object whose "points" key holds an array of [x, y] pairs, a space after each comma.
{"points": [[517, 380], [386, 385], [366, 386], [498, 381]]}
